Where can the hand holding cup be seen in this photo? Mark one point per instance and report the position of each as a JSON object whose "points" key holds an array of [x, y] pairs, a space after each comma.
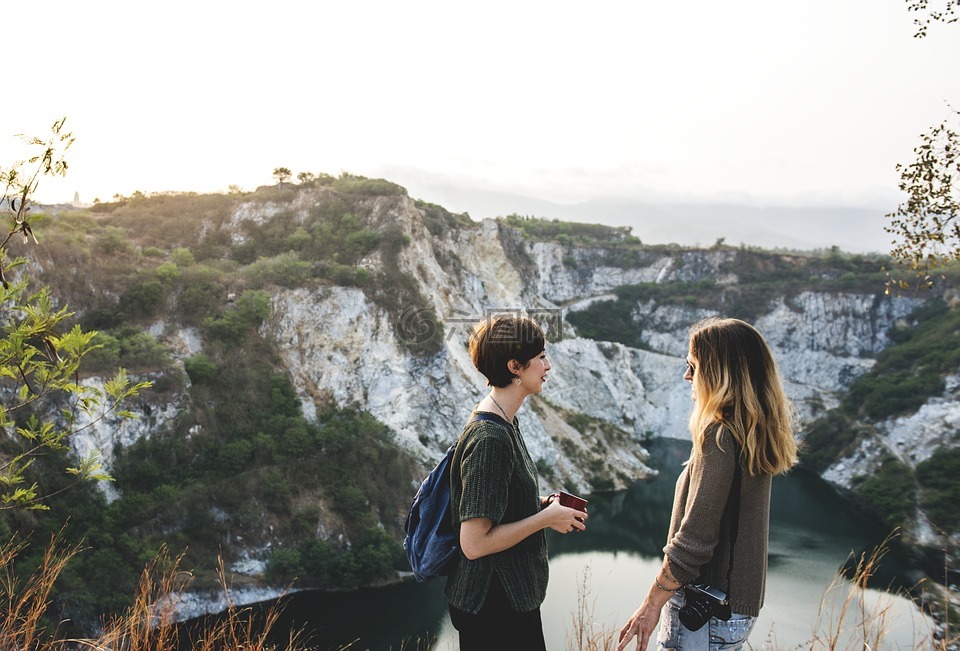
{"points": [[574, 502]]}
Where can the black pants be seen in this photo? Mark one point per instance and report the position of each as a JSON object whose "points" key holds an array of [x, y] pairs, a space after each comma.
{"points": [[497, 627]]}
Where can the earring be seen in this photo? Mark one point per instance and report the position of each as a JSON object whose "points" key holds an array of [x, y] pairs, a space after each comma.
{"points": [[516, 381]]}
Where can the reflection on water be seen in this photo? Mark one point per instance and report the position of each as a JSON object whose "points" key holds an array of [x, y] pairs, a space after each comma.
{"points": [[812, 534]]}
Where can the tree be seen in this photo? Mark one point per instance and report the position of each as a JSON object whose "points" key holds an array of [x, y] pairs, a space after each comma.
{"points": [[39, 366], [949, 13], [925, 227], [282, 174], [306, 178]]}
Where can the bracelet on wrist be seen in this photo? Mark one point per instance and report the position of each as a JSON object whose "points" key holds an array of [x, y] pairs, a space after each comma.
{"points": [[659, 585]]}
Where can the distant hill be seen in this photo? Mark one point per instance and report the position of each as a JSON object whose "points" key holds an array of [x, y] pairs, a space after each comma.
{"points": [[852, 229]]}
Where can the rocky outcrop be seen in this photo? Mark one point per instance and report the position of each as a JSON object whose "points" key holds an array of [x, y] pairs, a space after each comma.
{"points": [[100, 433], [341, 347], [912, 439], [565, 273]]}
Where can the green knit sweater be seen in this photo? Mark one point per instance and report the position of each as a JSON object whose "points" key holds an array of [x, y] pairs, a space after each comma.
{"points": [[698, 545], [493, 477]]}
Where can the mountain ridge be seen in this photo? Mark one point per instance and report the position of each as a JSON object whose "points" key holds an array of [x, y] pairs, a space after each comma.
{"points": [[854, 229], [313, 334]]}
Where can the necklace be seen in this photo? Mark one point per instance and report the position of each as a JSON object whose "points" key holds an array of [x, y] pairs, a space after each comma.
{"points": [[499, 407]]}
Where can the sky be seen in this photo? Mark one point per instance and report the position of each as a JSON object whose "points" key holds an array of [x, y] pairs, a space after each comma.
{"points": [[747, 102]]}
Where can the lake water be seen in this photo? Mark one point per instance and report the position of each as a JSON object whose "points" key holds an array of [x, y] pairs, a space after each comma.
{"points": [[606, 571]]}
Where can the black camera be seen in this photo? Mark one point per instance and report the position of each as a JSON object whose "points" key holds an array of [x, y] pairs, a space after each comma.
{"points": [[701, 602]]}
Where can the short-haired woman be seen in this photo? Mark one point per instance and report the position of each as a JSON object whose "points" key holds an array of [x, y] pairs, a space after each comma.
{"points": [[719, 526], [496, 588]]}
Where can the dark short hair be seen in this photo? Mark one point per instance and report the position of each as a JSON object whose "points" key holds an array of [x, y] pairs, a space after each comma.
{"points": [[498, 339]]}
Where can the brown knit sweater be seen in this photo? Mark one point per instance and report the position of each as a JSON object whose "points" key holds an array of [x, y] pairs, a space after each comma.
{"points": [[698, 545], [492, 476]]}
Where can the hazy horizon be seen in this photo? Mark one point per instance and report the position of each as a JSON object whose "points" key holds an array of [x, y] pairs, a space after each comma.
{"points": [[801, 228], [855, 229], [743, 103]]}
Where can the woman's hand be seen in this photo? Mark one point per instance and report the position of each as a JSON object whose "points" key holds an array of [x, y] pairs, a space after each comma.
{"points": [[545, 501], [564, 519], [641, 625]]}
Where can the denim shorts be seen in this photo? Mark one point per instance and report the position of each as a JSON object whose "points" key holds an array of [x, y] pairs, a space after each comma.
{"points": [[715, 635]]}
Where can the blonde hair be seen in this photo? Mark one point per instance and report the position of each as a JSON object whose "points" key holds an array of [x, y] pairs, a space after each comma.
{"points": [[736, 384]]}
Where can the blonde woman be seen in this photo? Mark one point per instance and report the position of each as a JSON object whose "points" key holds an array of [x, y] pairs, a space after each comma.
{"points": [[710, 586]]}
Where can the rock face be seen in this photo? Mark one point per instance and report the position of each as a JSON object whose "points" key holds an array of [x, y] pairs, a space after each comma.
{"points": [[102, 435], [341, 347], [912, 439], [566, 274]]}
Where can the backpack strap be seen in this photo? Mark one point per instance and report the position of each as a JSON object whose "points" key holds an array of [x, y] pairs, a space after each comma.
{"points": [[477, 416], [485, 415]]}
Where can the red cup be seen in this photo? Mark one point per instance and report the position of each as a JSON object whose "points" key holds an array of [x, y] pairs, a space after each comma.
{"points": [[574, 502]]}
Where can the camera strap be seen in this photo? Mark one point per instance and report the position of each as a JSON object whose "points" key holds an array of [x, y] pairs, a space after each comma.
{"points": [[733, 504]]}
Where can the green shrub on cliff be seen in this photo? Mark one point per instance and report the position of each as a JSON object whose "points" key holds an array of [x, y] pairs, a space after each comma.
{"points": [[939, 478], [890, 492], [571, 232]]}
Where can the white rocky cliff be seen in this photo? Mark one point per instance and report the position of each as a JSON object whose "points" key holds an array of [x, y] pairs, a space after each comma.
{"points": [[342, 348]]}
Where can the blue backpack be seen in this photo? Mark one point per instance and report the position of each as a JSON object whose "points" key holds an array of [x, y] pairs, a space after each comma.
{"points": [[430, 542]]}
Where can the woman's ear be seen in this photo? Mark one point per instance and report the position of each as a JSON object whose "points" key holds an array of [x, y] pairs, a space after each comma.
{"points": [[514, 367]]}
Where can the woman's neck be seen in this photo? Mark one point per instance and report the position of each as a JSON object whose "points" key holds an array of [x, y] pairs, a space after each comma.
{"points": [[506, 401]]}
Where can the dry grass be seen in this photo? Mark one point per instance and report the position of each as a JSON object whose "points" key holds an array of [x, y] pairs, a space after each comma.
{"points": [[25, 601], [850, 617], [150, 624], [851, 623], [586, 633], [848, 620]]}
